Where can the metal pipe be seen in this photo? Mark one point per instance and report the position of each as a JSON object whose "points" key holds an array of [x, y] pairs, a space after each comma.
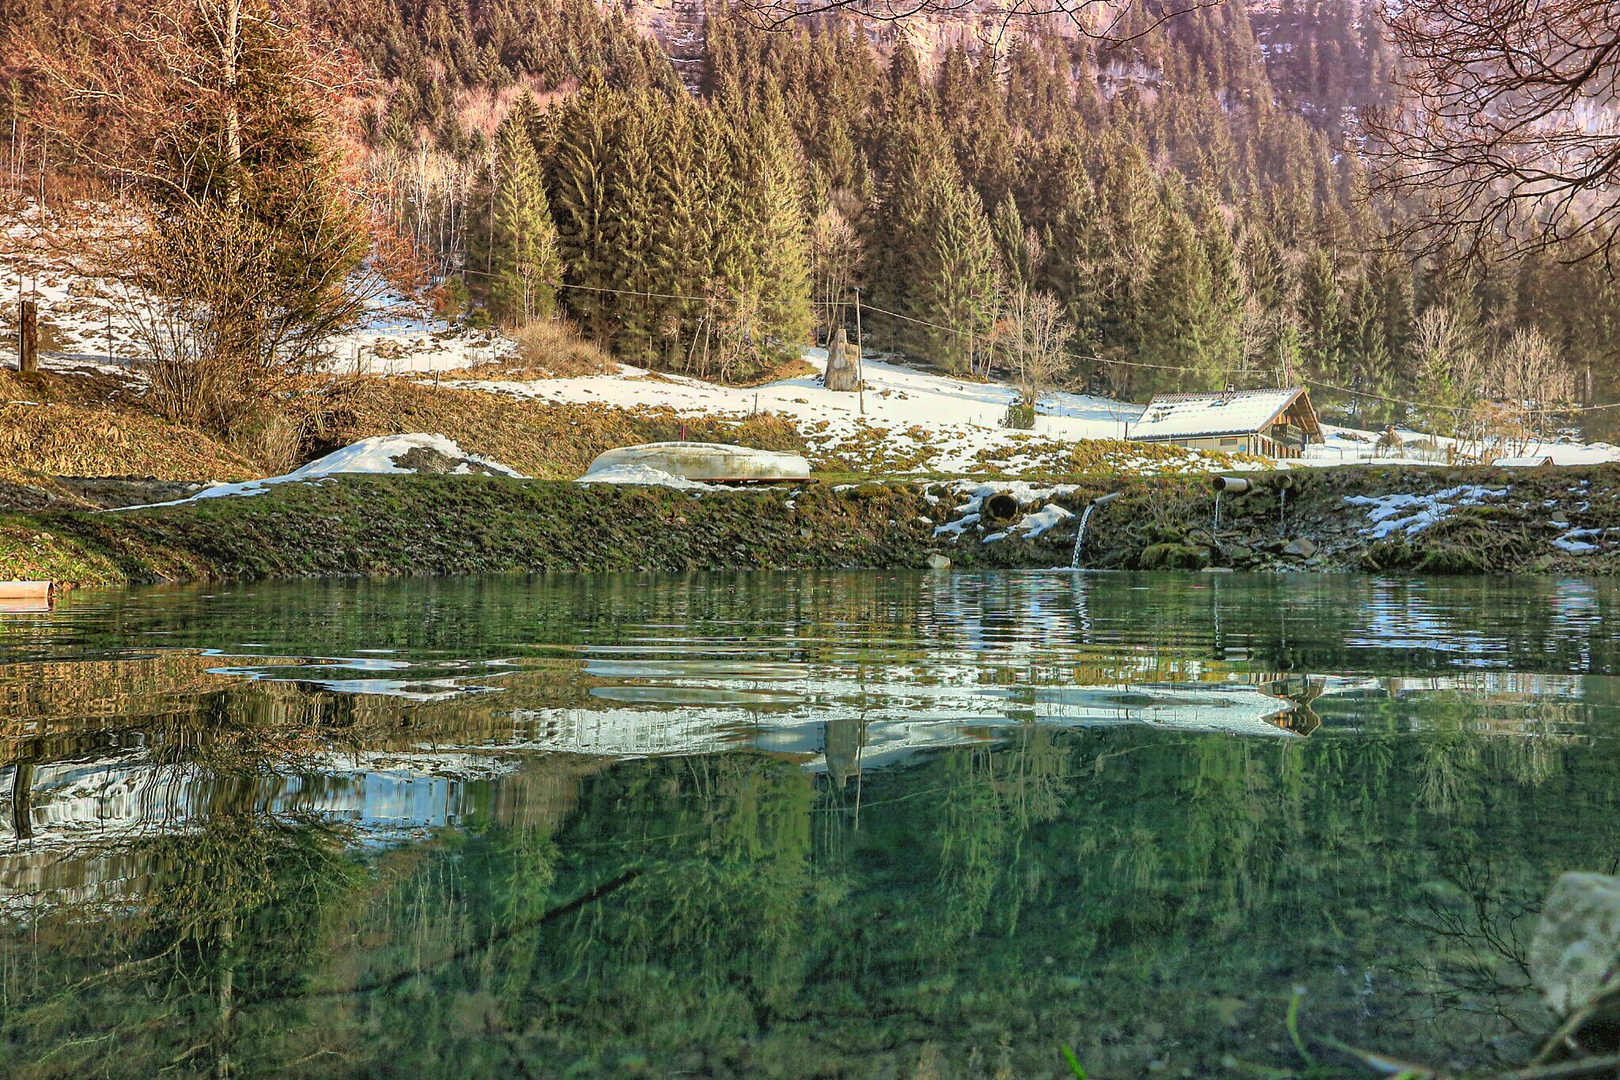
{"points": [[1282, 482], [1104, 500], [1235, 485], [1002, 506]]}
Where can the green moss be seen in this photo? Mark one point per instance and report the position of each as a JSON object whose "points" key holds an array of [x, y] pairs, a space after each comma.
{"points": [[29, 552], [429, 525], [1173, 557]]}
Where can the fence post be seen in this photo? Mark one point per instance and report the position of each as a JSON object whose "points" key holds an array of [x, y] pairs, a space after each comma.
{"points": [[28, 337]]}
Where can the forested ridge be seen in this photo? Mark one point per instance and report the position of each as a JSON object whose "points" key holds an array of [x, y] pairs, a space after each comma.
{"points": [[1191, 200]]}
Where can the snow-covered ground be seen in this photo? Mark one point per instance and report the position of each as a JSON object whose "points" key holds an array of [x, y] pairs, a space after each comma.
{"points": [[1349, 446], [907, 421], [85, 318]]}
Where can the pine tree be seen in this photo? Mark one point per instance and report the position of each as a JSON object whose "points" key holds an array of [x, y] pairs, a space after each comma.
{"points": [[955, 299], [585, 130], [1320, 316], [1178, 318], [770, 279], [523, 239]]}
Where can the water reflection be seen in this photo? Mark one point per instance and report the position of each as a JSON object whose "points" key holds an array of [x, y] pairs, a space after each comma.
{"points": [[732, 825]]}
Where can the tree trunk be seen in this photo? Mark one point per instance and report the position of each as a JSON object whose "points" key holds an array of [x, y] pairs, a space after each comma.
{"points": [[231, 47]]}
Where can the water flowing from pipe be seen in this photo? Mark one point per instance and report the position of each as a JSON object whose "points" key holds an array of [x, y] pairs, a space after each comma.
{"points": [[1217, 527], [1085, 518], [1080, 537], [1282, 512]]}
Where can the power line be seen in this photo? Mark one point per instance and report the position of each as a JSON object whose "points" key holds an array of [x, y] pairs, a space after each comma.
{"points": [[1451, 408], [1319, 384]]}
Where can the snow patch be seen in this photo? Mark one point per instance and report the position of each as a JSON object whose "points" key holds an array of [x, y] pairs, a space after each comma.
{"points": [[1412, 514], [1032, 524], [1578, 541], [1043, 519], [641, 474], [378, 456]]}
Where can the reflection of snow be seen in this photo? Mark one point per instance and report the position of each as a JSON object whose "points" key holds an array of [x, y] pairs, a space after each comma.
{"points": [[1401, 617], [76, 803]]}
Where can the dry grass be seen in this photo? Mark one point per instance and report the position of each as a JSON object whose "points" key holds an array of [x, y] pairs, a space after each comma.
{"points": [[555, 346], [544, 440], [73, 440], [546, 349]]}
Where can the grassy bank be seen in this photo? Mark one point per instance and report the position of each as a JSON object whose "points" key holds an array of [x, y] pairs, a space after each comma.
{"points": [[433, 525]]}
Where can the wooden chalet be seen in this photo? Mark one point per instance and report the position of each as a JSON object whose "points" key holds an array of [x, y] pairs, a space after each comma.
{"points": [[1269, 423]]}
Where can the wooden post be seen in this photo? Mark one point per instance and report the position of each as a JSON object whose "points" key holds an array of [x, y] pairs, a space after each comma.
{"points": [[860, 354], [28, 337], [22, 810]]}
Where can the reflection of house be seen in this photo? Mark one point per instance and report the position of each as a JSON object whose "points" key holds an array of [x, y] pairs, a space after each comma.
{"points": [[1272, 423]]}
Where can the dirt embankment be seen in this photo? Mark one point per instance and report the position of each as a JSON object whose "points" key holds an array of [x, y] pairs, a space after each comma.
{"points": [[1384, 520]]}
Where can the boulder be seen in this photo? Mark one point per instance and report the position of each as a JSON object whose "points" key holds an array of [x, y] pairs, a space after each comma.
{"points": [[1173, 557], [936, 561], [1575, 954], [1300, 547]]}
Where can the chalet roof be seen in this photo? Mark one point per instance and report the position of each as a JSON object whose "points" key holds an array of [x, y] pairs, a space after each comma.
{"points": [[1230, 412]]}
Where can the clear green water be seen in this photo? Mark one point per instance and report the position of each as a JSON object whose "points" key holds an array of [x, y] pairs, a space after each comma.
{"points": [[855, 824]]}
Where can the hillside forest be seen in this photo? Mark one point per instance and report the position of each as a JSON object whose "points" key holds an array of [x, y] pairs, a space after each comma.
{"points": [[1185, 210]]}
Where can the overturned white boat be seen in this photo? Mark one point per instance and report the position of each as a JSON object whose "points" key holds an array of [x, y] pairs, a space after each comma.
{"points": [[717, 463]]}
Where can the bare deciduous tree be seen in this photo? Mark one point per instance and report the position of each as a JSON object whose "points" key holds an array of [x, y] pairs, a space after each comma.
{"points": [[1035, 339], [835, 259], [227, 116], [1506, 131], [1448, 367], [1524, 387]]}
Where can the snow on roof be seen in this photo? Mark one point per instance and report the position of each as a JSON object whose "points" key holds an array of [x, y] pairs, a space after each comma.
{"points": [[1172, 416]]}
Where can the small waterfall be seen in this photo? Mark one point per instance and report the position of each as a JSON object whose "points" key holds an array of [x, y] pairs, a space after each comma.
{"points": [[1217, 527], [1085, 519], [1282, 511], [1080, 537]]}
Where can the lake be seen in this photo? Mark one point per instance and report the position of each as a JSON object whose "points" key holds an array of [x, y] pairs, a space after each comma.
{"points": [[829, 824]]}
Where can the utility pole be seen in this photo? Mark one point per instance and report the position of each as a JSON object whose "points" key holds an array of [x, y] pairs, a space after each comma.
{"points": [[860, 354]]}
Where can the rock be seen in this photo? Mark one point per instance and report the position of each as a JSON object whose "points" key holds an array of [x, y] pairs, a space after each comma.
{"points": [[806, 534], [1301, 547], [936, 561], [1217, 569], [1173, 557], [1575, 954], [843, 366]]}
